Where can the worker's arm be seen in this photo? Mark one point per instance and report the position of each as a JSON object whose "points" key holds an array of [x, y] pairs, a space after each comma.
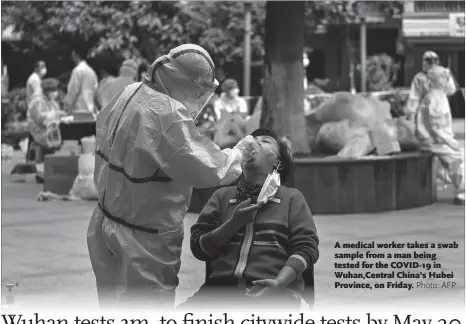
{"points": [[187, 156], [72, 91], [415, 94]]}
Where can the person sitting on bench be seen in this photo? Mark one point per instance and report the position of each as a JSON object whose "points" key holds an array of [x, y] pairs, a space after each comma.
{"points": [[253, 249]]}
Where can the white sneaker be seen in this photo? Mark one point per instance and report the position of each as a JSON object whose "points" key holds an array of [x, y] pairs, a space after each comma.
{"points": [[459, 199]]}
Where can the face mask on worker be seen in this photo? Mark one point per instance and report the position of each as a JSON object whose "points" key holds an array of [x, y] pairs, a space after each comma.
{"points": [[43, 72], [234, 92], [53, 95]]}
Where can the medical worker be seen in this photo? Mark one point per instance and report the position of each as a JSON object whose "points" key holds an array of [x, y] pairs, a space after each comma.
{"points": [[149, 157], [429, 107]]}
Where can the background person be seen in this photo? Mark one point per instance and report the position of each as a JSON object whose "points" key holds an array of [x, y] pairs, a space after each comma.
{"points": [[43, 111], [82, 85], [419, 85], [428, 106], [33, 83], [230, 102], [434, 130]]}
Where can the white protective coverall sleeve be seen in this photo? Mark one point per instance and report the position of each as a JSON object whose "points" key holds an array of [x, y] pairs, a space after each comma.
{"points": [[417, 91], [187, 76], [450, 87], [189, 157]]}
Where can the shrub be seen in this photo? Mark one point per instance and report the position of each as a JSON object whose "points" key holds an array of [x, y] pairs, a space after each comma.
{"points": [[382, 72]]}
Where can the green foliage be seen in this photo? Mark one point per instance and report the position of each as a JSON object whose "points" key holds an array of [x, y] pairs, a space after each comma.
{"points": [[136, 28], [149, 28], [382, 72], [325, 13]]}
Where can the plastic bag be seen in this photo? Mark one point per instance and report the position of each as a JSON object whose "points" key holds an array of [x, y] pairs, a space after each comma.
{"points": [[354, 107], [83, 186], [334, 136], [270, 187], [248, 147], [405, 133], [384, 139], [86, 164], [88, 144], [53, 135], [356, 147]]}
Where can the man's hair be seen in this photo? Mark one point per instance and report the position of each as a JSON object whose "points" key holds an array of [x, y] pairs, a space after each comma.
{"points": [[286, 169]]}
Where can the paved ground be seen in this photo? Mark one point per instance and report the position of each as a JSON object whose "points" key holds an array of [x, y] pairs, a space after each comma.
{"points": [[44, 248]]}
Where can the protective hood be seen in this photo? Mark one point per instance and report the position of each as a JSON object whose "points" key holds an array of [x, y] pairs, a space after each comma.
{"points": [[186, 74]]}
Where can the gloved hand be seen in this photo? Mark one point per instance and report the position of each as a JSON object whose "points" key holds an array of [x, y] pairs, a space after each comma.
{"points": [[248, 147]]}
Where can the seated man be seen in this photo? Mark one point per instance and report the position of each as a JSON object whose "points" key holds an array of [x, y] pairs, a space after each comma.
{"points": [[266, 247]]}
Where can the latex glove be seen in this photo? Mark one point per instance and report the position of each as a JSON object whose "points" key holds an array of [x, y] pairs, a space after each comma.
{"points": [[248, 147]]}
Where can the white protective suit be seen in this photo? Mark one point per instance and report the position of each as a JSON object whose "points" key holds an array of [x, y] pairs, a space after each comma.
{"points": [[149, 156], [433, 123]]}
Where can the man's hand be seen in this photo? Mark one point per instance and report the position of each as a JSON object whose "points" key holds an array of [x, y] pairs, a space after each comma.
{"points": [[273, 283], [265, 286], [244, 213]]}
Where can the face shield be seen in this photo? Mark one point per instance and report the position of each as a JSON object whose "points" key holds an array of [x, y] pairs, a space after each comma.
{"points": [[186, 75]]}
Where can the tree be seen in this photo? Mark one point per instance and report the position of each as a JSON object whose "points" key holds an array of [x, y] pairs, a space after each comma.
{"points": [[283, 98], [323, 14], [382, 72], [134, 28]]}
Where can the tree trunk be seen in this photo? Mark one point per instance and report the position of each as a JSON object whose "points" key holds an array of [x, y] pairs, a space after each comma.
{"points": [[283, 92]]}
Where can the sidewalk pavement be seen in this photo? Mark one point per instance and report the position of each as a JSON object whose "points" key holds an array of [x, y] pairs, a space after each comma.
{"points": [[44, 248]]}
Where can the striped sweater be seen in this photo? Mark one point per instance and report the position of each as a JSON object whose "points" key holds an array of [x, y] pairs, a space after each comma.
{"points": [[283, 233]]}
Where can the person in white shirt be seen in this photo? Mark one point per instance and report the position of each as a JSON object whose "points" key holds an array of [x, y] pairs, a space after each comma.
{"points": [[33, 84], [230, 101], [81, 87]]}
